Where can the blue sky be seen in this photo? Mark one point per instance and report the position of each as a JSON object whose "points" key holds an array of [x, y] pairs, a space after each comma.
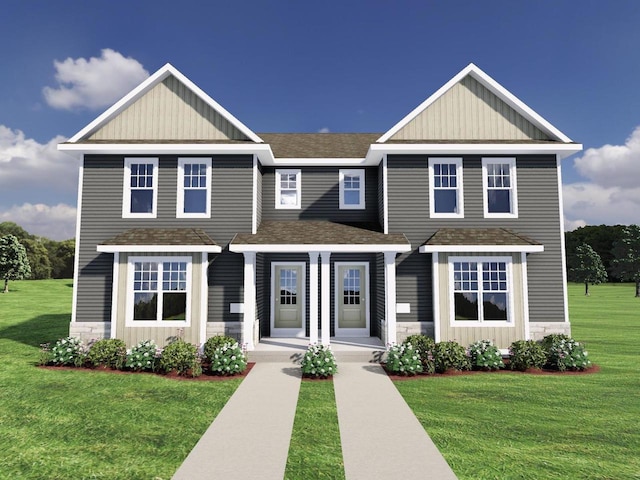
{"points": [[295, 66]]}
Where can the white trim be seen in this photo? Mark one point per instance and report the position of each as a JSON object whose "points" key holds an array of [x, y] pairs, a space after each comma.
{"points": [[525, 295], [147, 85], [170, 149], [254, 200], [352, 332], [435, 280], [204, 295], [513, 188], [129, 321], [249, 313], [481, 323], [481, 248], [126, 190], [495, 88], [313, 297], [304, 248], [114, 294], [457, 161], [390, 301], [76, 258], [182, 161], [563, 248], [361, 191], [298, 173], [325, 297], [289, 332], [159, 248], [319, 162], [385, 195]]}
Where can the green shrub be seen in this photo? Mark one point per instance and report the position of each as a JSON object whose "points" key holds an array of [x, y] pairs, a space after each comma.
{"points": [[319, 362], [424, 345], [564, 353], [484, 355], [526, 354], [228, 359], [181, 357], [69, 351], [213, 343], [108, 352], [404, 360], [450, 356], [143, 357]]}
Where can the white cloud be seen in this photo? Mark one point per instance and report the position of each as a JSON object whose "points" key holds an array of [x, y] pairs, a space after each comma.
{"points": [[570, 225], [57, 222], [93, 83], [324, 130]]}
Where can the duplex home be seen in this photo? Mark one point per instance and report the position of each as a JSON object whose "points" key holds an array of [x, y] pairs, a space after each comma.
{"points": [[449, 223]]}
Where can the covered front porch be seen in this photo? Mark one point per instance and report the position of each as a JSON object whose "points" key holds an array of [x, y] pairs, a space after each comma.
{"points": [[346, 349]]}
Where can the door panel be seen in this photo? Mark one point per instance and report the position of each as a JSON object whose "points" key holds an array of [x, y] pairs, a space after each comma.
{"points": [[352, 311], [287, 292]]}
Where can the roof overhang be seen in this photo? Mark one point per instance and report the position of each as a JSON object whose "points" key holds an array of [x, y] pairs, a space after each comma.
{"points": [[481, 248], [306, 248], [158, 248], [261, 150]]}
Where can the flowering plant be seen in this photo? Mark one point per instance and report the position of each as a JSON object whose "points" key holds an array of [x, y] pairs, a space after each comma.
{"points": [[319, 362], [228, 359], [485, 356], [143, 356], [68, 351], [404, 359], [564, 353], [425, 346]]}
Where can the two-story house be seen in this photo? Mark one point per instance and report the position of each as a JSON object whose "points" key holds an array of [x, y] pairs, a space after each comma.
{"points": [[449, 224]]}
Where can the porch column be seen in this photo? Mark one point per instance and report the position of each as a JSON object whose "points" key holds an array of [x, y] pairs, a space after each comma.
{"points": [[390, 295], [249, 315], [313, 297], [325, 296]]}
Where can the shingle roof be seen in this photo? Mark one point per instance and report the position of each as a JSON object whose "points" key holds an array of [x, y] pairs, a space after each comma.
{"points": [[161, 236], [479, 236], [320, 145]]}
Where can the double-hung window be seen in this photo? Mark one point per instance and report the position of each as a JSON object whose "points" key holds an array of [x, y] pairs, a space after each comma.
{"points": [[499, 187], [159, 291], [288, 189], [140, 187], [446, 199], [194, 188], [352, 189], [481, 290]]}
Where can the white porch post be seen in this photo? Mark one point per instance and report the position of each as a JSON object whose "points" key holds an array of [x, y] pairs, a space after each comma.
{"points": [[325, 296], [313, 297], [390, 295], [249, 315]]}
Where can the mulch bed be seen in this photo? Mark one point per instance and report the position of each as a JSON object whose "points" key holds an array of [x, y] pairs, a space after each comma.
{"points": [[452, 373], [317, 379], [205, 377]]}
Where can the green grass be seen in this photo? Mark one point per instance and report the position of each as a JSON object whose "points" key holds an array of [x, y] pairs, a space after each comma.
{"points": [[84, 424], [315, 450], [513, 426]]}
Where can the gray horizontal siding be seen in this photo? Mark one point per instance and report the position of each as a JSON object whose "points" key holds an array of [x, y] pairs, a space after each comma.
{"points": [[101, 219], [538, 218], [320, 197]]}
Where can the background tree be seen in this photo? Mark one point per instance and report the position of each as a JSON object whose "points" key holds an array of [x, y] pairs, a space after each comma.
{"points": [[627, 256], [38, 258], [586, 267], [14, 264], [601, 238], [61, 255]]}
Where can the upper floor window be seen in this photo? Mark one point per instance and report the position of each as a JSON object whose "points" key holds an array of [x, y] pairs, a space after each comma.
{"points": [[352, 189], [499, 187], [445, 195], [140, 187], [288, 191], [194, 188]]}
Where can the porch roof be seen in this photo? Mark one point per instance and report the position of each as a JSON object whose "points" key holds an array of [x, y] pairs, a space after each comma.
{"points": [[318, 235], [160, 240], [479, 240]]}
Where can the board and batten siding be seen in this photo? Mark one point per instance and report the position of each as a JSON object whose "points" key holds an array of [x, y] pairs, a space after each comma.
{"points": [[502, 336], [469, 111], [538, 218], [101, 219], [169, 111], [320, 195], [160, 335]]}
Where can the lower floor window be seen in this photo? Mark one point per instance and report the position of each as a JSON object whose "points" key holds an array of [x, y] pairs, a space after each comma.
{"points": [[480, 290]]}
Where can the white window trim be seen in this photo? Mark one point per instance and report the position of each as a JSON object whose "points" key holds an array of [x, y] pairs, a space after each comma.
{"points": [[459, 190], [511, 161], [480, 322], [182, 161], [361, 200], [298, 174], [126, 197], [129, 322]]}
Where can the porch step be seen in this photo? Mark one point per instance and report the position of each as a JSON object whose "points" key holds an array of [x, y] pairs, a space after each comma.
{"points": [[291, 350], [295, 357]]}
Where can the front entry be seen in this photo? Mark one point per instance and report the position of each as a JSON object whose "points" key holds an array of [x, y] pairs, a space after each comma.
{"points": [[352, 299], [288, 295]]}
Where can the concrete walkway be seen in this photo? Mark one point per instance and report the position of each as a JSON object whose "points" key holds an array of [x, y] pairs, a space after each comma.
{"points": [[381, 437]]}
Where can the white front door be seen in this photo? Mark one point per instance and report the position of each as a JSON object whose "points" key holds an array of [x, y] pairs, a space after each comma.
{"points": [[352, 299], [287, 294]]}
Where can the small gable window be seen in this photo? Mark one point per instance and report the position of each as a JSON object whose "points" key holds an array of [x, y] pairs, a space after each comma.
{"points": [[352, 189], [445, 192], [288, 189], [194, 188], [499, 187], [140, 187]]}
